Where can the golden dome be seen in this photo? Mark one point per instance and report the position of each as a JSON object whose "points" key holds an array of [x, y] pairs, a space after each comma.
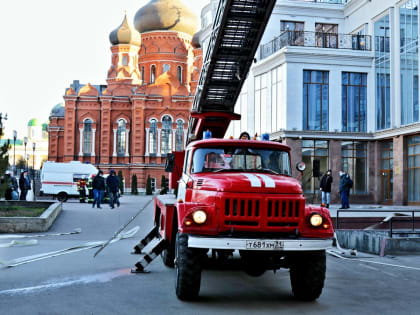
{"points": [[166, 15], [125, 34], [88, 90]]}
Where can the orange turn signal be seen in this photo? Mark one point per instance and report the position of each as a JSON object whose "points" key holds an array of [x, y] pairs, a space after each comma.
{"points": [[188, 222]]}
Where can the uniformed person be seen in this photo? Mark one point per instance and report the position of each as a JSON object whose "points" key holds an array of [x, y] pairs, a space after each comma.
{"points": [[81, 187], [90, 190]]}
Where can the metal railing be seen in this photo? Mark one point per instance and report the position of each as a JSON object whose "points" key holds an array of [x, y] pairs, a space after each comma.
{"points": [[315, 39], [411, 219]]}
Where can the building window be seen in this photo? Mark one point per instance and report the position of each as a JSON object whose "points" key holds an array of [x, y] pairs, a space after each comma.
{"points": [[354, 162], [142, 74], [166, 67], [409, 62], [354, 99], [121, 134], [295, 32], [179, 135], [382, 71], [87, 137], [276, 115], [179, 74], [152, 74], [261, 104], [315, 100], [326, 35], [414, 169], [166, 135], [314, 150], [153, 137], [125, 60]]}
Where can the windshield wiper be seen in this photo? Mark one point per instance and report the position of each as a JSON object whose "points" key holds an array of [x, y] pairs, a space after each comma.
{"points": [[267, 170], [229, 169]]}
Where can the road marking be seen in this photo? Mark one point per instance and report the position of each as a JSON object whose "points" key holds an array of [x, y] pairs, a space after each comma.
{"points": [[255, 181], [371, 262], [6, 236], [101, 277]]}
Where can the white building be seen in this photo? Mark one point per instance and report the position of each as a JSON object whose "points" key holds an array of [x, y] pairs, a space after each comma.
{"points": [[338, 82]]}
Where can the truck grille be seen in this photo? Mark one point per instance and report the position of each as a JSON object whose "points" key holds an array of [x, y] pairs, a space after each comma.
{"points": [[261, 212]]}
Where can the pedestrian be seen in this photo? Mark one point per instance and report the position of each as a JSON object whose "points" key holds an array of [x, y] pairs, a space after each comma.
{"points": [[113, 186], [98, 185], [345, 184], [24, 184], [325, 187]]}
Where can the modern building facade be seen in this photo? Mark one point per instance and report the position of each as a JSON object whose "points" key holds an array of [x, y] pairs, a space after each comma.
{"points": [[141, 114], [338, 82]]}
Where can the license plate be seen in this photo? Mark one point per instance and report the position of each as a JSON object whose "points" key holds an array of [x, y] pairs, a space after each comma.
{"points": [[265, 245]]}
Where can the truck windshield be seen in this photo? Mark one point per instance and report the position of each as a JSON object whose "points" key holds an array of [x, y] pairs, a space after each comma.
{"points": [[232, 159]]}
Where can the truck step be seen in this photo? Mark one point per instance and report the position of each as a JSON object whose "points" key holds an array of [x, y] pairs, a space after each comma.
{"points": [[145, 241], [149, 257]]}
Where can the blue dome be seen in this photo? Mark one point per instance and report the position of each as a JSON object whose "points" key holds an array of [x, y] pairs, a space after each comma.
{"points": [[58, 110]]}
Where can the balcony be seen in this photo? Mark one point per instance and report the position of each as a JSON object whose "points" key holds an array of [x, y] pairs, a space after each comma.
{"points": [[315, 39], [327, 1]]}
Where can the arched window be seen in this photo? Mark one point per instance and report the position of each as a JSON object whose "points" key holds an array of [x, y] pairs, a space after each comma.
{"points": [[142, 74], [179, 73], [87, 136], [166, 135], [125, 60], [152, 74], [179, 135], [121, 134], [166, 67], [153, 137]]}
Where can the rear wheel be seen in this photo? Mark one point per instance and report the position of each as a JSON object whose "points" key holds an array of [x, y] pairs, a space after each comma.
{"points": [[62, 196], [168, 256], [307, 275], [188, 269]]}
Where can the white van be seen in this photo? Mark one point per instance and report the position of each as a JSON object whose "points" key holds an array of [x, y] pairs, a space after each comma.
{"points": [[60, 179]]}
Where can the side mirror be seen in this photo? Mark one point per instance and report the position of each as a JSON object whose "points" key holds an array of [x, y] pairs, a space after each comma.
{"points": [[301, 166], [170, 162]]}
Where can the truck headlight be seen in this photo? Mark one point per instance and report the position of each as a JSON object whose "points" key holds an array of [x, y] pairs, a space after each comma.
{"points": [[199, 216], [315, 219]]}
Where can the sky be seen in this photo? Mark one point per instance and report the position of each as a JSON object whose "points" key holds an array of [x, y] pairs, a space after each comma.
{"points": [[46, 44]]}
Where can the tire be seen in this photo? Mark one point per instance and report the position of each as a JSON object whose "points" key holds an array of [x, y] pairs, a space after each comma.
{"points": [[188, 269], [168, 256], [307, 275], [62, 197]]}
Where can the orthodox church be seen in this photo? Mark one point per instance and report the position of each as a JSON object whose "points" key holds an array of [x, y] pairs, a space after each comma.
{"points": [[141, 114]]}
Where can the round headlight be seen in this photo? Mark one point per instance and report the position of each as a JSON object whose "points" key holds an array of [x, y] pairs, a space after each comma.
{"points": [[315, 220], [199, 216]]}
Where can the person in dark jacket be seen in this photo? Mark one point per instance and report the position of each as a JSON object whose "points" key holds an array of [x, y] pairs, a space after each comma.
{"points": [[345, 184], [98, 185], [325, 188], [24, 184], [113, 187]]}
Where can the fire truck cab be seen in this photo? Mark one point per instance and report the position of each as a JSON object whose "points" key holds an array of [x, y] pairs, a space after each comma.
{"points": [[237, 197]]}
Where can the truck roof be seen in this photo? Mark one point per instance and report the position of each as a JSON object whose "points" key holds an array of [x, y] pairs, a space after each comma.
{"points": [[236, 142]]}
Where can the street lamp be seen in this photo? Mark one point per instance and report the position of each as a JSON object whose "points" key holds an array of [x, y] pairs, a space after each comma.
{"points": [[33, 168], [14, 150], [25, 142]]}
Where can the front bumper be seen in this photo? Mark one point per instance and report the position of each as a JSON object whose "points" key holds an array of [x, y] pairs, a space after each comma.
{"points": [[259, 244]]}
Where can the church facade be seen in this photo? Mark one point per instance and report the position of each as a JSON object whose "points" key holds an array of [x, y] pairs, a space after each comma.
{"points": [[141, 114]]}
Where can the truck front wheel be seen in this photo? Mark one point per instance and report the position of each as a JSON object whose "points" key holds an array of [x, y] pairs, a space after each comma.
{"points": [[188, 269], [307, 275]]}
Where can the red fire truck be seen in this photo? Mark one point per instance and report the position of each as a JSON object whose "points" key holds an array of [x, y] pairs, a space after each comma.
{"points": [[236, 198]]}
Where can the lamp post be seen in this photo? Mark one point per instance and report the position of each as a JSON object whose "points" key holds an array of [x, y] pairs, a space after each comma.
{"points": [[25, 142], [33, 168], [14, 150]]}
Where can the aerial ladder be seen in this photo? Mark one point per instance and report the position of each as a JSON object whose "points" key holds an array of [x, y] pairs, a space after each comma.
{"points": [[237, 31]]}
